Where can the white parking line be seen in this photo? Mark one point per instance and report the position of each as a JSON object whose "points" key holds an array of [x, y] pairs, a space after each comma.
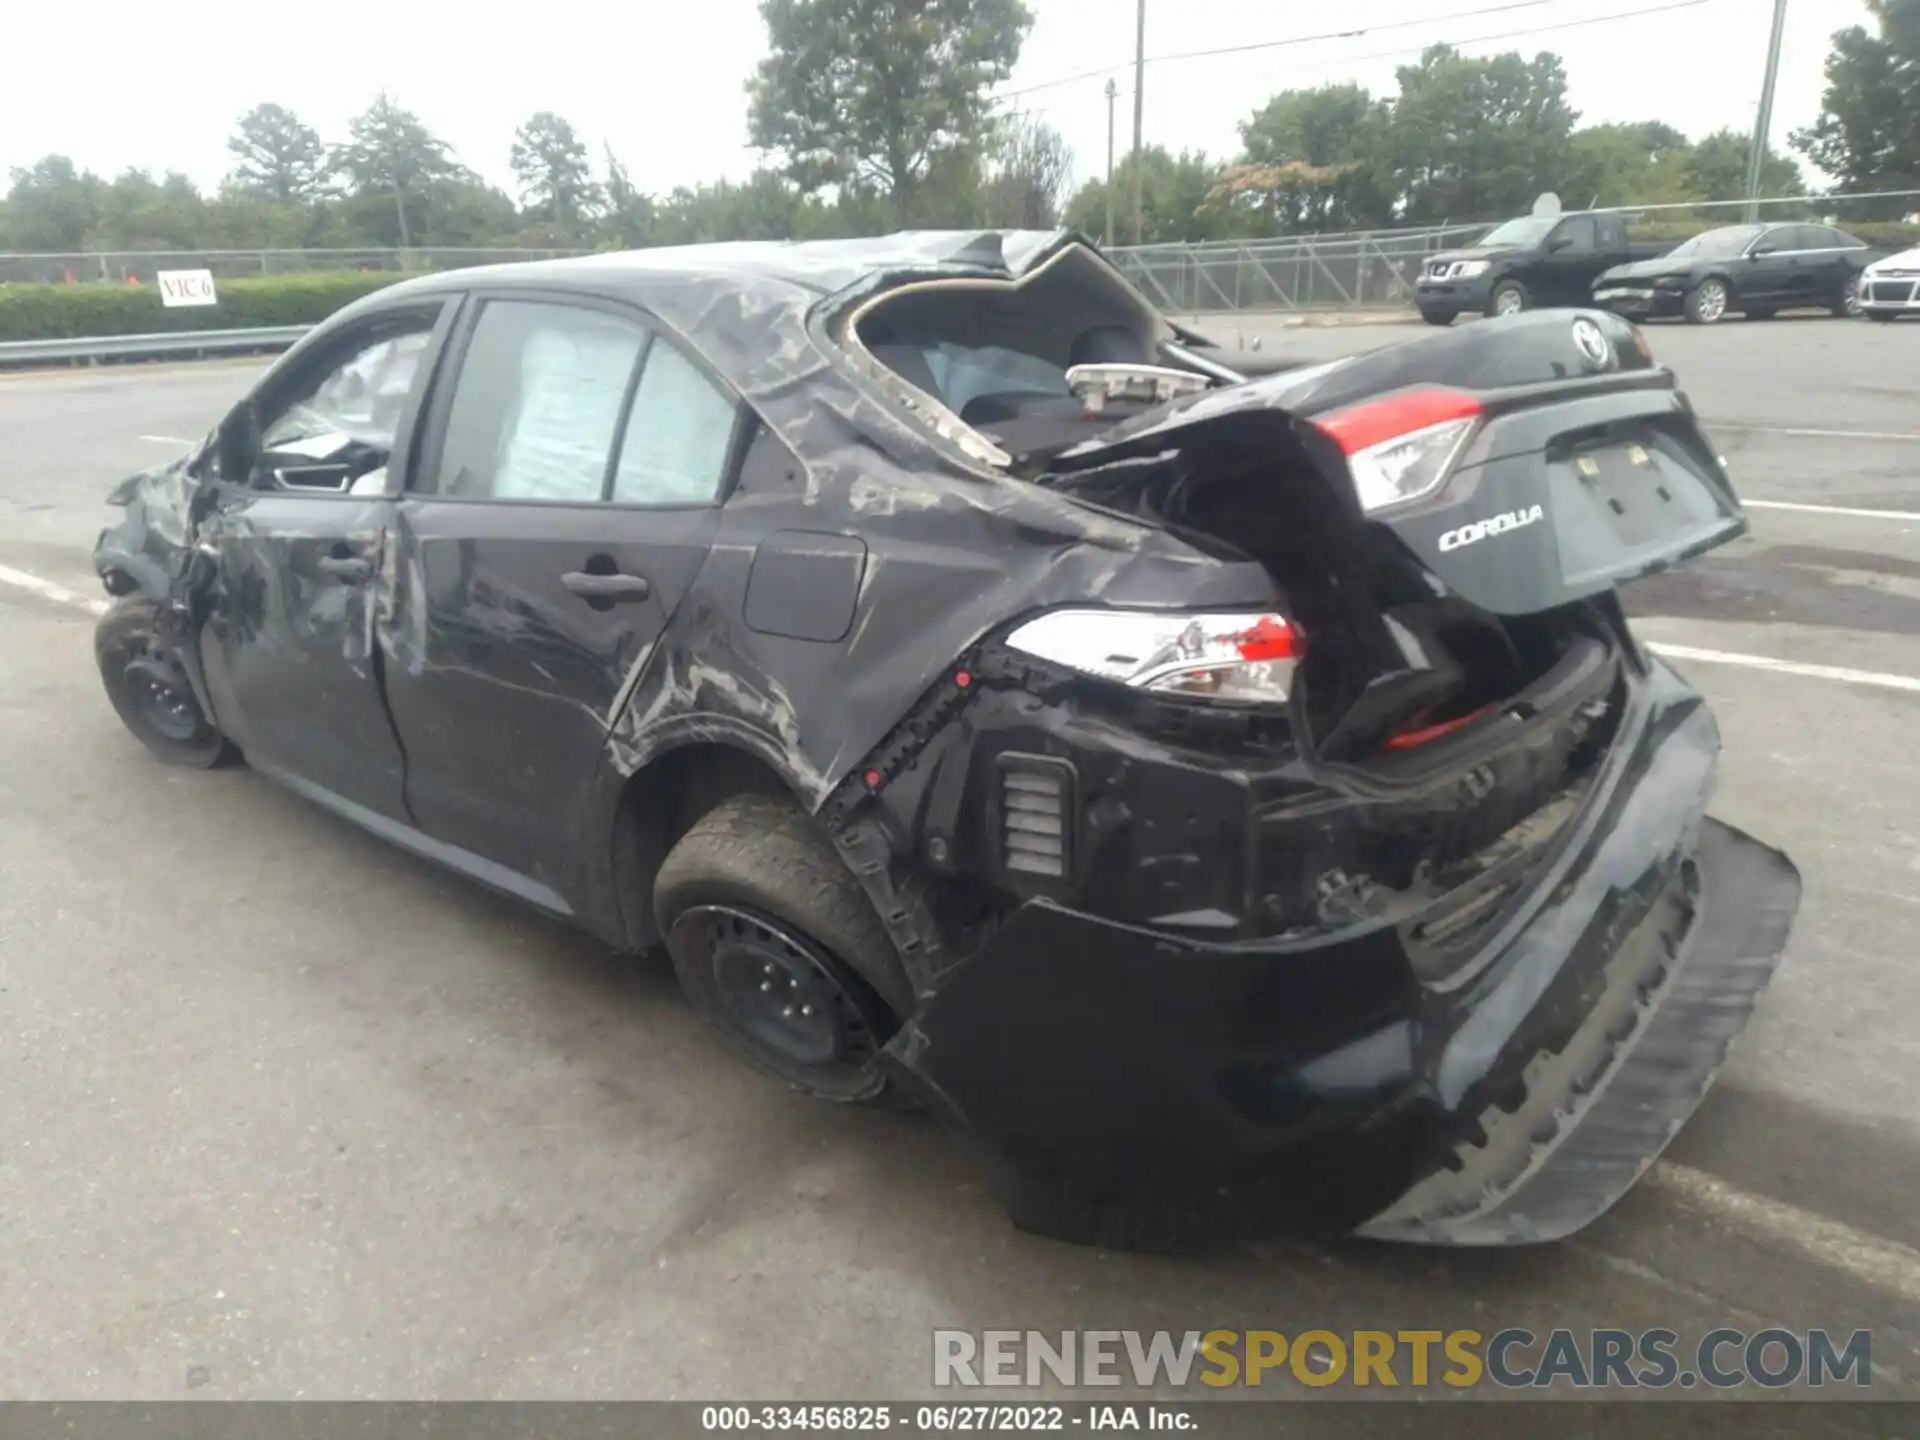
{"points": [[1806, 509], [164, 439], [47, 590], [1884, 1264], [1806, 434], [1787, 667]]}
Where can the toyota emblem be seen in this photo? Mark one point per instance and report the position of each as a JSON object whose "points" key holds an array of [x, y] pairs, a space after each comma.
{"points": [[1593, 344]]}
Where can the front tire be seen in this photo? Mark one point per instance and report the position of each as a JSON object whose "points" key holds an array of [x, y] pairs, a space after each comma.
{"points": [[151, 693], [1509, 297], [778, 947], [1436, 316], [1707, 302]]}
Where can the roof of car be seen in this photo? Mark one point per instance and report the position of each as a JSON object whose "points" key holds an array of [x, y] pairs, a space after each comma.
{"points": [[820, 267], [746, 308]]}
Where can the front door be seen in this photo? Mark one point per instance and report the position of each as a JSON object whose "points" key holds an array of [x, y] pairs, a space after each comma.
{"points": [[1571, 262], [289, 647], [569, 485], [1768, 275]]}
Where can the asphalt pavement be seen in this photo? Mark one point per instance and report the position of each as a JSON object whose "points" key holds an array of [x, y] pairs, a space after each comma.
{"points": [[287, 1113]]}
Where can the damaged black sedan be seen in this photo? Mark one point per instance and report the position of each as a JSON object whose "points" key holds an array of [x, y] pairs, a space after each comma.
{"points": [[1235, 800]]}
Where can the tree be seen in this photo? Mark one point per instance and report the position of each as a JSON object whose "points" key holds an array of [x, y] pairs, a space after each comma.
{"points": [[1717, 169], [1031, 172], [1639, 163], [390, 154], [279, 155], [136, 213], [52, 206], [868, 94], [1312, 161], [1479, 138], [1174, 196], [629, 217], [1868, 133], [550, 162]]}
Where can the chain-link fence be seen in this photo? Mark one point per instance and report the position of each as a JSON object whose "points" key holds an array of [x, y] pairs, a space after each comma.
{"points": [[122, 266], [1372, 269]]}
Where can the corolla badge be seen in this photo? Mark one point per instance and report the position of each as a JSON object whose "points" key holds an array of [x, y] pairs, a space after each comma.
{"points": [[1498, 525], [1593, 344]]}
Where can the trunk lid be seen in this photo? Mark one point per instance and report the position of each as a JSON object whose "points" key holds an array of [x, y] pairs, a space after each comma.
{"points": [[1586, 469]]}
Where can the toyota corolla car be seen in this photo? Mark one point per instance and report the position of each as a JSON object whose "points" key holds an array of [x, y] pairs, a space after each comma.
{"points": [[1756, 270], [1235, 800], [1890, 288]]}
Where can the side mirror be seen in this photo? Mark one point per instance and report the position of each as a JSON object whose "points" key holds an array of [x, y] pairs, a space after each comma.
{"points": [[1558, 243]]}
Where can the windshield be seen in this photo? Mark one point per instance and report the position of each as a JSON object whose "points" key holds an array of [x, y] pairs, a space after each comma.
{"points": [[1718, 244], [1529, 230]]}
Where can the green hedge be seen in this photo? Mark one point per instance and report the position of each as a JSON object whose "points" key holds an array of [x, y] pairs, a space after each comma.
{"points": [[96, 308]]}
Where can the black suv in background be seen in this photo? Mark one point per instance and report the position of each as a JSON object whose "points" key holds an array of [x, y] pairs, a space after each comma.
{"points": [[1535, 260]]}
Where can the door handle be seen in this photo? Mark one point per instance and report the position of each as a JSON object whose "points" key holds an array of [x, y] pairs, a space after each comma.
{"points": [[607, 587], [346, 567]]}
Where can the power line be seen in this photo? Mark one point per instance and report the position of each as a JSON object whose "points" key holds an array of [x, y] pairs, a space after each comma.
{"points": [[1368, 29]]}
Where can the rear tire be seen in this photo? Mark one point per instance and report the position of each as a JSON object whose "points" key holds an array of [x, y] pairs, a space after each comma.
{"points": [[1509, 297], [151, 693], [1847, 306], [778, 947], [1708, 302], [1437, 316]]}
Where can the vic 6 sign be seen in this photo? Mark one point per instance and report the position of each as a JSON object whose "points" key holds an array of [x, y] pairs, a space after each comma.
{"points": [[186, 287]]}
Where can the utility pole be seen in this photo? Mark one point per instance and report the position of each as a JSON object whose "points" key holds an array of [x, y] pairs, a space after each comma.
{"points": [[1139, 99], [1112, 90], [1763, 122]]}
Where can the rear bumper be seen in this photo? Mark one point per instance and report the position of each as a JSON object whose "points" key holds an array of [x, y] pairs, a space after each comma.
{"points": [[1140, 1088]]}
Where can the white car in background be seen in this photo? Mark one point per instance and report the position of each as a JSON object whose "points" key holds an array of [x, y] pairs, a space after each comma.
{"points": [[1890, 288]]}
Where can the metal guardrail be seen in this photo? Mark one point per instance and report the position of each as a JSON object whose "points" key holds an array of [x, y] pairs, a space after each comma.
{"points": [[149, 347]]}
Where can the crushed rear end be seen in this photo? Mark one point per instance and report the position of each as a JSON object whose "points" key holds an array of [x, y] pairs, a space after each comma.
{"points": [[1445, 951]]}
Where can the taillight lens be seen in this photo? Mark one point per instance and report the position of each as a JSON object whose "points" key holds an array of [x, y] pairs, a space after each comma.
{"points": [[1234, 657], [1400, 447]]}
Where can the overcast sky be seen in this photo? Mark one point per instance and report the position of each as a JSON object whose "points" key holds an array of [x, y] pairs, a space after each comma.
{"points": [[662, 83]]}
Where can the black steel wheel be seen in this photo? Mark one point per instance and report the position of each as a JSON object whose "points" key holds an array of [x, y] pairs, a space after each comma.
{"points": [[778, 947], [151, 693]]}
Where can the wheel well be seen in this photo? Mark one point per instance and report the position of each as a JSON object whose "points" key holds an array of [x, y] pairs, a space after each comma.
{"points": [[660, 804]]}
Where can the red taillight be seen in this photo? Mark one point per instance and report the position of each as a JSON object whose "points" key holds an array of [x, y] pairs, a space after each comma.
{"points": [[1270, 638], [1374, 422]]}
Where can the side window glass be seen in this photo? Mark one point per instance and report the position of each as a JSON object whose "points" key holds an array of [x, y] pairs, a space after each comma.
{"points": [[537, 403], [678, 437], [337, 431], [1578, 233]]}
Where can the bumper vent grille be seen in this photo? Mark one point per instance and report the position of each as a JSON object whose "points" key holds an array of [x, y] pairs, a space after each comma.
{"points": [[1037, 805]]}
